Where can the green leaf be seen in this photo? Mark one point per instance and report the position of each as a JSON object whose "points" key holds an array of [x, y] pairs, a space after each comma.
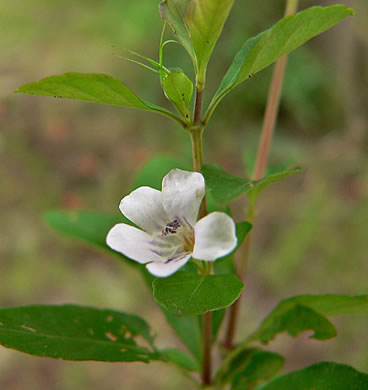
{"points": [[180, 358], [173, 12], [222, 186], [189, 294], [225, 187], [294, 321], [260, 185], [178, 89], [320, 376], [249, 367], [91, 87], [76, 333], [285, 36], [206, 19], [308, 312]]}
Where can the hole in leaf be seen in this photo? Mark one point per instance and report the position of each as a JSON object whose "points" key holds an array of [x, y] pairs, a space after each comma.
{"points": [[28, 328], [111, 336]]}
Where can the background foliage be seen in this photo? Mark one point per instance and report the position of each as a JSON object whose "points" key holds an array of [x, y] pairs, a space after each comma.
{"points": [[311, 231]]}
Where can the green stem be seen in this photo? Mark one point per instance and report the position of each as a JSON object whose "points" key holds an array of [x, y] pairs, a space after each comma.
{"points": [[272, 107], [198, 107], [197, 147], [196, 132]]}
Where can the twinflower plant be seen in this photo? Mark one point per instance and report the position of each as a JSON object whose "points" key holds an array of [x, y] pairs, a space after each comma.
{"points": [[165, 229]]}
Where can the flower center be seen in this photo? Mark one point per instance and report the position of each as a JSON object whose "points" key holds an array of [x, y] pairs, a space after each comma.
{"points": [[183, 230], [171, 227]]}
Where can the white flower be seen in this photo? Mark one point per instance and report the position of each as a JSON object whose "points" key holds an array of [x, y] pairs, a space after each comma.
{"points": [[170, 235]]}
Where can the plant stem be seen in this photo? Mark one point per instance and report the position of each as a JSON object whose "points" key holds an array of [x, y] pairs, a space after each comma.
{"points": [[197, 148], [198, 107], [272, 107], [196, 132], [207, 335]]}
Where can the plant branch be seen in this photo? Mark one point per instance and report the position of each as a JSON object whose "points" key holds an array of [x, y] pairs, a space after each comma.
{"points": [[272, 107]]}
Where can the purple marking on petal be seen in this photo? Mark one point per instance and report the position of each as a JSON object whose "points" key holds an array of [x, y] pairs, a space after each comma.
{"points": [[177, 258], [163, 253], [157, 252]]}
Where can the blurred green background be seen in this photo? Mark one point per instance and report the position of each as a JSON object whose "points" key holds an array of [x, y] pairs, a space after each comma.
{"points": [[311, 230]]}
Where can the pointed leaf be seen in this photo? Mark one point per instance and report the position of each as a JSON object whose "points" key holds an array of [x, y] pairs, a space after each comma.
{"points": [[294, 321], [286, 35], [320, 376], [76, 333], [307, 312], [260, 185], [206, 19], [90, 87], [249, 367], [225, 187], [189, 294]]}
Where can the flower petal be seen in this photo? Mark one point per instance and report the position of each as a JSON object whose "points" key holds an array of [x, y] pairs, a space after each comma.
{"points": [[133, 243], [182, 194], [164, 269], [144, 208], [214, 237]]}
